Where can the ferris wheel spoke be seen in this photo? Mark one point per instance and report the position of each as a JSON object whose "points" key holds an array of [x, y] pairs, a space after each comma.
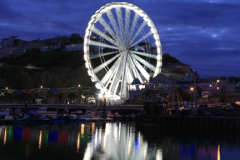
{"points": [[108, 28], [135, 19], [129, 73], [103, 35], [144, 23], [108, 76], [100, 67], [120, 20], [124, 89], [141, 69], [95, 43], [99, 55], [117, 76], [134, 68], [144, 37], [127, 21], [144, 62], [145, 54], [124, 77], [112, 20]]}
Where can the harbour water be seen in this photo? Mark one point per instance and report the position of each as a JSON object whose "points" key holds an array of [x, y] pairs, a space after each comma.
{"points": [[114, 141]]}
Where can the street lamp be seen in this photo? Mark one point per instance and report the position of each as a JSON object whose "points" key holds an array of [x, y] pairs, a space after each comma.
{"points": [[192, 89], [218, 90], [79, 93], [104, 106], [41, 87]]}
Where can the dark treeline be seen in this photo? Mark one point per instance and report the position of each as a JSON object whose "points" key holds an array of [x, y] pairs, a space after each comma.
{"points": [[60, 69]]}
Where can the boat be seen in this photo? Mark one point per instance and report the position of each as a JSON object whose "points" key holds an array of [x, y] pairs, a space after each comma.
{"points": [[5, 112], [116, 116], [51, 112], [33, 119], [18, 111], [63, 111], [63, 119], [76, 114]]}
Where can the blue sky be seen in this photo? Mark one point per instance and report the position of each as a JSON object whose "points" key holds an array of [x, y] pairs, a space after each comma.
{"points": [[202, 33]]}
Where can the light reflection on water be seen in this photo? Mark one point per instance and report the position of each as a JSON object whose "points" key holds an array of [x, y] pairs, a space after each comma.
{"points": [[105, 141]]}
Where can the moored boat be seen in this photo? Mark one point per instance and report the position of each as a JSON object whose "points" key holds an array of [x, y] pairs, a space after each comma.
{"points": [[51, 112]]}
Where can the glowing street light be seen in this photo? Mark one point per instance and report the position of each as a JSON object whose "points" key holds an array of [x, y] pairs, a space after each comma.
{"points": [[218, 81], [192, 88]]}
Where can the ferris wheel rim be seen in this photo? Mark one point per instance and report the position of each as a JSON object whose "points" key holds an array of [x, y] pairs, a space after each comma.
{"points": [[95, 19]]}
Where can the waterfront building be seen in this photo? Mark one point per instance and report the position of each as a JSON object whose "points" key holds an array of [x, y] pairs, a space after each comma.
{"points": [[74, 47], [135, 89], [237, 88]]}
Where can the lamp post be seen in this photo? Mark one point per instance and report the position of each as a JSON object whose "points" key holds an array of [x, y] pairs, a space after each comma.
{"points": [[79, 93], [218, 90], [192, 89], [6, 92], [104, 105], [41, 87], [195, 99]]}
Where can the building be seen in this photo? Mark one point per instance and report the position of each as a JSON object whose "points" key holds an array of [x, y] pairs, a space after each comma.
{"points": [[74, 47], [49, 47], [237, 88], [12, 46], [135, 89]]}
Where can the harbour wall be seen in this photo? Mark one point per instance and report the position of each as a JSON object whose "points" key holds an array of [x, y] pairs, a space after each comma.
{"points": [[200, 122]]}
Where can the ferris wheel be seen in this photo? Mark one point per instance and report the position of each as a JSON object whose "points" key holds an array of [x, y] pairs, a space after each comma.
{"points": [[121, 43]]}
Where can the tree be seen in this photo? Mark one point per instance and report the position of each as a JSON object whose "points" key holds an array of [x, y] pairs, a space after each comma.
{"points": [[167, 59], [23, 82], [75, 38]]}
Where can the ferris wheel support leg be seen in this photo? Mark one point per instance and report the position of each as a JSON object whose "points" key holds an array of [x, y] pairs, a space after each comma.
{"points": [[123, 77]]}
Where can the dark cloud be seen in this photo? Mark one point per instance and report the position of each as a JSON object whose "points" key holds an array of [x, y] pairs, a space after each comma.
{"points": [[202, 33]]}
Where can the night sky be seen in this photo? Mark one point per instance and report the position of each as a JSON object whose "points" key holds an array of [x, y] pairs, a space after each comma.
{"points": [[202, 33]]}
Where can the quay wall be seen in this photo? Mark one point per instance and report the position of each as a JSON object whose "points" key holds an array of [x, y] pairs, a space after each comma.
{"points": [[200, 122], [75, 106]]}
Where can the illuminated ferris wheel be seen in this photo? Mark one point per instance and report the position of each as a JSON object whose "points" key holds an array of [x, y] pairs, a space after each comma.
{"points": [[121, 43]]}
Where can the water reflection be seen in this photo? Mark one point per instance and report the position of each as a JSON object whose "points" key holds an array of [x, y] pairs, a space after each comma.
{"points": [[114, 141]]}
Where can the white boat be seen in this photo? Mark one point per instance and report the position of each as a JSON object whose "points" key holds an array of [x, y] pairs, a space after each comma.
{"points": [[89, 114], [76, 114], [5, 111], [51, 112], [18, 111]]}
